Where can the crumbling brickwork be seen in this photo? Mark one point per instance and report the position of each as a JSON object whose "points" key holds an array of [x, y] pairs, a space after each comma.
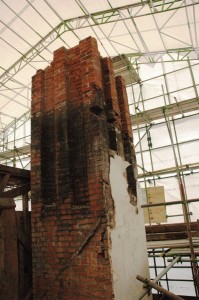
{"points": [[79, 113]]}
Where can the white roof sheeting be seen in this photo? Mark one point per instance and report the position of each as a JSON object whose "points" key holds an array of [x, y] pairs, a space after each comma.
{"points": [[146, 31], [31, 30]]}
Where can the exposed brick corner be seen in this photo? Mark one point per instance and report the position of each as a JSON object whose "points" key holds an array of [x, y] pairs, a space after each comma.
{"points": [[79, 112]]}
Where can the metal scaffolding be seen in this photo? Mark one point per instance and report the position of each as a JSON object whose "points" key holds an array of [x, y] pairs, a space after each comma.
{"points": [[15, 143], [166, 112], [136, 35]]}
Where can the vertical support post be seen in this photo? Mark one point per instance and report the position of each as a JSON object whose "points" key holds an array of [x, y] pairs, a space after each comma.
{"points": [[179, 155], [150, 153], [193, 257], [9, 273], [164, 260], [147, 131], [25, 209], [185, 211]]}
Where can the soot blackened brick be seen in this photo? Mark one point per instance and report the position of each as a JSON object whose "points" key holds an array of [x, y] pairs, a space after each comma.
{"points": [[77, 117], [127, 138], [48, 171]]}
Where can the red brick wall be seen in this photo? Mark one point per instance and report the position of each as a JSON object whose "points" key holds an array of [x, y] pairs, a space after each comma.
{"points": [[79, 112]]}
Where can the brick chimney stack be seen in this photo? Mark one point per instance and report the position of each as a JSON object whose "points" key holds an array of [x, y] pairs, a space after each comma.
{"points": [[87, 225]]}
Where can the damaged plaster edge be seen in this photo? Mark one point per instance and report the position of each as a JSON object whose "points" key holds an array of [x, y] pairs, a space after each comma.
{"points": [[127, 239]]}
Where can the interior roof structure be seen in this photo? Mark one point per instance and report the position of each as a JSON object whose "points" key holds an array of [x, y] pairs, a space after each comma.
{"points": [[30, 30], [158, 38]]}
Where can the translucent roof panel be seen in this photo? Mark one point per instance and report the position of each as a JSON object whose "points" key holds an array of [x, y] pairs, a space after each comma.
{"points": [[30, 30]]}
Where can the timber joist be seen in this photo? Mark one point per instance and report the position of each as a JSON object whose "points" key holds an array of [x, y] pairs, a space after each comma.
{"points": [[13, 181]]}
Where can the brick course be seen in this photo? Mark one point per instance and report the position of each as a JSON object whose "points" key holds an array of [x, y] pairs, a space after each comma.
{"points": [[79, 112]]}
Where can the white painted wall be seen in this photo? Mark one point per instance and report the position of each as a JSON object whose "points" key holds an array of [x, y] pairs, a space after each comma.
{"points": [[127, 251]]}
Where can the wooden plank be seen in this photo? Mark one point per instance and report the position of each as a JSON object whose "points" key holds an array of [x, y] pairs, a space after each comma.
{"points": [[177, 227], [155, 214], [171, 244], [182, 251], [171, 110], [170, 231], [24, 150], [169, 235]]}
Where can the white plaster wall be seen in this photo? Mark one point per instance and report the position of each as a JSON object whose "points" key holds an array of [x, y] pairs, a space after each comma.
{"points": [[127, 251]]}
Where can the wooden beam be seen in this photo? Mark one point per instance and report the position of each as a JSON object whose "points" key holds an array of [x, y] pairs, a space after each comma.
{"points": [[169, 236], [177, 227], [7, 203], [4, 182], [14, 171], [21, 190], [166, 232]]}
